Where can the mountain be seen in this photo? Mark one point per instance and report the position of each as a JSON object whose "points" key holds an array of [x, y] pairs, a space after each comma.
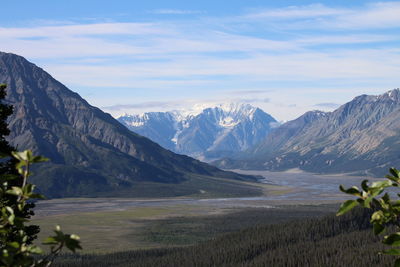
{"points": [[207, 134], [361, 136], [92, 153], [160, 127]]}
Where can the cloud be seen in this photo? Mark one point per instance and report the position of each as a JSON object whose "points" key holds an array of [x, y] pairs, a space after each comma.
{"points": [[329, 105], [251, 92], [150, 104], [372, 15], [376, 15], [253, 100], [92, 29], [183, 103], [175, 12], [271, 53], [274, 124], [296, 12]]}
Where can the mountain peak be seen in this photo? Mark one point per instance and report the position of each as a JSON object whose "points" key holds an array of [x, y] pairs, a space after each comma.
{"points": [[204, 129], [393, 95]]}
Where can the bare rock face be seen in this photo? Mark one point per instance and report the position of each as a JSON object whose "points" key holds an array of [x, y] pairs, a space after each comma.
{"points": [[89, 150], [361, 136], [208, 133]]}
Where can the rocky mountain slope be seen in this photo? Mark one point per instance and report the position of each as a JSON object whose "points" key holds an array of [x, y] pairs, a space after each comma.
{"points": [[361, 136], [90, 151], [206, 134]]}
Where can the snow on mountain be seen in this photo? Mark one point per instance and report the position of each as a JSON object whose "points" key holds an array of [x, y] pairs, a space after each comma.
{"points": [[206, 132]]}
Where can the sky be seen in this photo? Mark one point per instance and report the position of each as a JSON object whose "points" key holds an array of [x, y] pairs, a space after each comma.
{"points": [[286, 57]]}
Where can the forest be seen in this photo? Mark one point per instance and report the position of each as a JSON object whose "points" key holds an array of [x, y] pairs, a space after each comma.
{"points": [[319, 241]]}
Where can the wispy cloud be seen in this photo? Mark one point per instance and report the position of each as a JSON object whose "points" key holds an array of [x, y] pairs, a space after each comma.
{"points": [[251, 92], [373, 15], [175, 12], [328, 105], [253, 100], [249, 57], [149, 104], [183, 103], [376, 15], [296, 12]]}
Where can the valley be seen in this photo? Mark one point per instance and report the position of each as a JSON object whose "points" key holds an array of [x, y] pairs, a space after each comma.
{"points": [[126, 221]]}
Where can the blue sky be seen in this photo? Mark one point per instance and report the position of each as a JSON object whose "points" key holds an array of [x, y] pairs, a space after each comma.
{"points": [[286, 57]]}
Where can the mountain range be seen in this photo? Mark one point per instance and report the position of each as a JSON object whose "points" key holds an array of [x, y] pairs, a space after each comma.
{"points": [[204, 133], [93, 154], [360, 137], [90, 152]]}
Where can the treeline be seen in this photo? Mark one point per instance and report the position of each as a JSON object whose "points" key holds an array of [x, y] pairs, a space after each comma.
{"points": [[189, 230], [327, 241]]}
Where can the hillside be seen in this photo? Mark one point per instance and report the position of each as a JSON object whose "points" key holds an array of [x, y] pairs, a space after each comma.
{"points": [[361, 136], [90, 151]]}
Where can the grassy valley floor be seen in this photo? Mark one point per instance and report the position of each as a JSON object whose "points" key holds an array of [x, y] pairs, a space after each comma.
{"points": [[284, 226], [290, 236], [167, 226]]}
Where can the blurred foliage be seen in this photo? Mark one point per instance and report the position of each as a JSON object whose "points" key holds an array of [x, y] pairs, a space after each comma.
{"points": [[386, 212], [16, 203]]}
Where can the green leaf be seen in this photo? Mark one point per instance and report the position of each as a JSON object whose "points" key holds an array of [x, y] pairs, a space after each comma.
{"points": [[75, 237], [395, 172], [378, 228], [14, 245], [386, 198], [72, 242], [16, 191], [23, 155], [38, 196], [392, 178], [381, 184], [38, 159], [367, 202], [28, 188], [377, 216], [35, 250], [346, 206], [9, 177], [10, 210], [364, 185], [50, 241], [393, 240], [11, 219], [397, 263], [351, 191], [375, 191], [393, 252]]}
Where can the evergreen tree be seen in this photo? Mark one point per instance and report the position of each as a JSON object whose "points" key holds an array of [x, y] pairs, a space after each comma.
{"points": [[6, 166], [8, 170], [16, 206]]}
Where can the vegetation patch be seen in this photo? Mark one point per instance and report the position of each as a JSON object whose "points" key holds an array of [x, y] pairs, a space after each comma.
{"points": [[326, 241]]}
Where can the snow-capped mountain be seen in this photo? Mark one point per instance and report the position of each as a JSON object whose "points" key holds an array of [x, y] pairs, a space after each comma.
{"points": [[204, 132]]}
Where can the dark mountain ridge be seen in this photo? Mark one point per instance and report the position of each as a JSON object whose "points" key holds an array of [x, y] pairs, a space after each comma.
{"points": [[89, 150], [361, 136]]}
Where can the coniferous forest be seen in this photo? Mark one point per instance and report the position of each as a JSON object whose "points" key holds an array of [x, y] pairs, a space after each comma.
{"points": [[323, 241]]}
